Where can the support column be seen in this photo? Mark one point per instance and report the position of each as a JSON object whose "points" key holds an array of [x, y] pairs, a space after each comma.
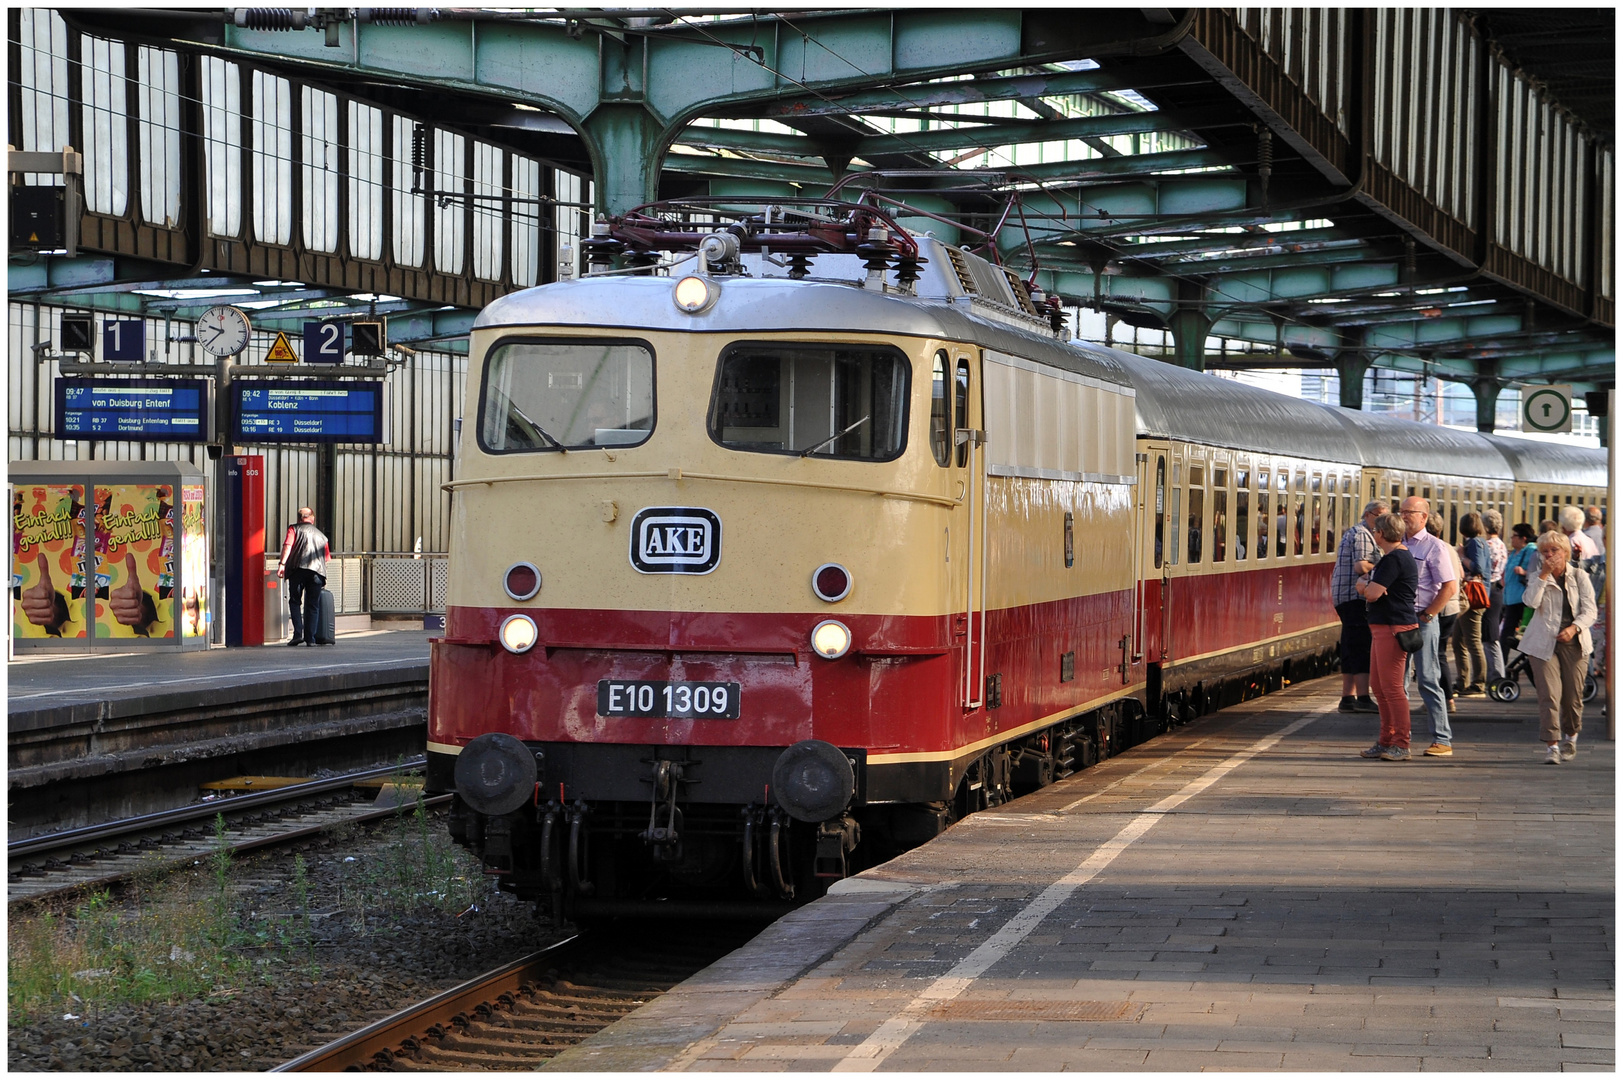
{"points": [[1190, 325], [1351, 367], [1487, 403], [627, 144]]}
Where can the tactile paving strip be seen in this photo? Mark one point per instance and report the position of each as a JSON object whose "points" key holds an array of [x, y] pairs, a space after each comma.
{"points": [[1032, 1010]]}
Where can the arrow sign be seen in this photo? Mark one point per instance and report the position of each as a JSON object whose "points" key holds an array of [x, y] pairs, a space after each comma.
{"points": [[1547, 408]]}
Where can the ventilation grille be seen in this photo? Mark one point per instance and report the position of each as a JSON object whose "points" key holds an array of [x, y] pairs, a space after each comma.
{"points": [[960, 263], [1021, 295]]}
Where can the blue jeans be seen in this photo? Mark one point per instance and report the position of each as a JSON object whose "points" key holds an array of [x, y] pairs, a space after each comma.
{"points": [[1429, 677]]}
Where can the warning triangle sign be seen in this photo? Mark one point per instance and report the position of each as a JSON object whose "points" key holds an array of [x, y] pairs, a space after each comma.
{"points": [[282, 352]]}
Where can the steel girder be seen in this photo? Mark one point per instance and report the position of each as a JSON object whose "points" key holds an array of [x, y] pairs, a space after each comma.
{"points": [[631, 92]]}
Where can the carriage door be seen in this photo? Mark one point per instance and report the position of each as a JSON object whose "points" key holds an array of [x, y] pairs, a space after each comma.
{"points": [[1154, 510], [969, 450]]}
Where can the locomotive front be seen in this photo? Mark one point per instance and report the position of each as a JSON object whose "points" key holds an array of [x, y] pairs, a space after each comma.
{"points": [[700, 576]]}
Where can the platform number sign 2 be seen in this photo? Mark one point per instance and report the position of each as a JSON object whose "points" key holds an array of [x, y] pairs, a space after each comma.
{"points": [[124, 340], [324, 342]]}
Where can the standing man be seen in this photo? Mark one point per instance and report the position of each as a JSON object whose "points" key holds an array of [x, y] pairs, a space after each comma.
{"points": [[1355, 558], [1437, 586], [304, 564]]}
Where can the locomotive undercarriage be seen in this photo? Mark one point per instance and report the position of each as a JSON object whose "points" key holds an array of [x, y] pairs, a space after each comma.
{"points": [[605, 830]]}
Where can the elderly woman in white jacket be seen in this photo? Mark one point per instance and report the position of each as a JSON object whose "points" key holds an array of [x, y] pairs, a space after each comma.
{"points": [[1558, 645]]}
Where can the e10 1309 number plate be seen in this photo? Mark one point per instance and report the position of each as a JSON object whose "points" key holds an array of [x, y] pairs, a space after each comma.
{"points": [[674, 700]]}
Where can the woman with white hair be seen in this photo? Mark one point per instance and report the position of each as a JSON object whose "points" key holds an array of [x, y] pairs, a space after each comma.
{"points": [[1558, 645]]}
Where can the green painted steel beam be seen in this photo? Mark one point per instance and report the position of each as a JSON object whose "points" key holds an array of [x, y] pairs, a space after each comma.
{"points": [[746, 169], [1037, 131], [630, 93], [956, 92], [1059, 172]]}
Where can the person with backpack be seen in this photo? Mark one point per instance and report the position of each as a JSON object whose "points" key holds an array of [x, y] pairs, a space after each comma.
{"points": [[305, 552]]}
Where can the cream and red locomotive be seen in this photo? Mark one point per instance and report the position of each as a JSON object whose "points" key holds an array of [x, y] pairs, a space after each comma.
{"points": [[780, 541]]}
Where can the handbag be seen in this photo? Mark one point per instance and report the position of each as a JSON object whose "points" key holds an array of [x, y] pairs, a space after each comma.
{"points": [[1476, 594], [1410, 640]]}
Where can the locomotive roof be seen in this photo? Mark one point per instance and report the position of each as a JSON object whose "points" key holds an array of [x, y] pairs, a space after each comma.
{"points": [[1553, 463], [1177, 403], [778, 305]]}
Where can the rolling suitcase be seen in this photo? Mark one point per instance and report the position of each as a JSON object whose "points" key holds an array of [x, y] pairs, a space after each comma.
{"points": [[326, 620]]}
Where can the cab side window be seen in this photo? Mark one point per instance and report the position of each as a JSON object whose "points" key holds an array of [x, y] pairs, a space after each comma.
{"points": [[940, 412], [960, 407]]}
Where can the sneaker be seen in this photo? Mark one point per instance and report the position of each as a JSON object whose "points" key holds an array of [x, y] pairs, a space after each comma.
{"points": [[1366, 704], [1395, 753], [1348, 704], [1439, 750], [1569, 749], [1552, 755], [1373, 752], [296, 641], [1474, 690], [1451, 705]]}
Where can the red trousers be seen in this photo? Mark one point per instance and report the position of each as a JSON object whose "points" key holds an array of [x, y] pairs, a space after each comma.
{"points": [[1386, 665]]}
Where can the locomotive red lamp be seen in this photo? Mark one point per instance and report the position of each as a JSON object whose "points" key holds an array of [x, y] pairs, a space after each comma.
{"points": [[518, 634], [831, 582], [522, 581], [831, 639], [695, 295]]}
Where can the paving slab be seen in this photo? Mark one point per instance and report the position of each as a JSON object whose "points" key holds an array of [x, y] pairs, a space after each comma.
{"points": [[1244, 893]]}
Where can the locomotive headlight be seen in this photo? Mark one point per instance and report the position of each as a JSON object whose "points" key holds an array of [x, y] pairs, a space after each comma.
{"points": [[831, 639], [695, 295], [518, 633]]}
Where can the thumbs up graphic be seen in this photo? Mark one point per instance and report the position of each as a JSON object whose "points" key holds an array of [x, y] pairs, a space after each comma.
{"points": [[131, 605], [42, 604]]}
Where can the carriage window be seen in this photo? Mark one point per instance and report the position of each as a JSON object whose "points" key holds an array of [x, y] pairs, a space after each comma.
{"points": [[1160, 505], [1264, 522], [940, 412], [1282, 514], [1242, 512], [838, 401], [1197, 509], [1220, 515], [1318, 516], [571, 395]]}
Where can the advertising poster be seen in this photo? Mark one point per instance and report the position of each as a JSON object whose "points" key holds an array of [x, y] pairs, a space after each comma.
{"points": [[135, 561], [194, 563], [48, 560]]}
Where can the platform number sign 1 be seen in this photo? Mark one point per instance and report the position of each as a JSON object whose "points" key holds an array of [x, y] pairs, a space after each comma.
{"points": [[1547, 408], [324, 342], [124, 340]]}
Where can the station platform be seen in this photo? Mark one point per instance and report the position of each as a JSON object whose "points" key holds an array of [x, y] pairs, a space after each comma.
{"points": [[1244, 893], [90, 737]]}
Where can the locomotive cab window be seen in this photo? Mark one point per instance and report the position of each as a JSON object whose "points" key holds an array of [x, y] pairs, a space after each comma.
{"points": [[567, 395], [836, 401], [940, 412]]}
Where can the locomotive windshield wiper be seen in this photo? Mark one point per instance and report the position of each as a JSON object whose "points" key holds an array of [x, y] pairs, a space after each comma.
{"points": [[539, 430], [810, 450]]}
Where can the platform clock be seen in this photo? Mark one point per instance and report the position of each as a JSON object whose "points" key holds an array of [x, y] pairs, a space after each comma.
{"points": [[222, 330]]}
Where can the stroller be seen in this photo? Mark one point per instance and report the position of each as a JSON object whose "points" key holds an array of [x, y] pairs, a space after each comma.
{"points": [[1509, 688]]}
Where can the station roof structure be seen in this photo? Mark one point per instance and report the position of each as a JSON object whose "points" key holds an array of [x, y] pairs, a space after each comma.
{"points": [[1426, 190]]}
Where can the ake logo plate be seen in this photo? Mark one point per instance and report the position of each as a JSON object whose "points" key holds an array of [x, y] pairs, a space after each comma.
{"points": [[675, 540]]}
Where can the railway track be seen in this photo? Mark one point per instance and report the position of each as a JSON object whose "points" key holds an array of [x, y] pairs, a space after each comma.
{"points": [[523, 1014], [57, 863]]}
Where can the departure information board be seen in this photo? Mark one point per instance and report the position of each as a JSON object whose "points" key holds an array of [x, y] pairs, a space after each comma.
{"points": [[276, 410], [161, 410]]}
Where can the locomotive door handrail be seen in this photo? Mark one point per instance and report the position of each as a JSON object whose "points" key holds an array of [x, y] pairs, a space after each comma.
{"points": [[974, 439], [682, 474]]}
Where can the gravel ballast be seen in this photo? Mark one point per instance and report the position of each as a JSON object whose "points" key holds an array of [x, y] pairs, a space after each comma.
{"points": [[359, 966]]}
